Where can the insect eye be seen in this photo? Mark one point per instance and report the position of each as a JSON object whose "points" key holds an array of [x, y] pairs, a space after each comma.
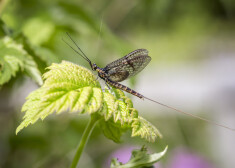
{"points": [[94, 66]]}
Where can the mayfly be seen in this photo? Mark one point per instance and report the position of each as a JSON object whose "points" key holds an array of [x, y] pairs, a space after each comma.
{"points": [[126, 67]]}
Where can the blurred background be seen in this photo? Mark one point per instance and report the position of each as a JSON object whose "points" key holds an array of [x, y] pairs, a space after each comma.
{"points": [[192, 45]]}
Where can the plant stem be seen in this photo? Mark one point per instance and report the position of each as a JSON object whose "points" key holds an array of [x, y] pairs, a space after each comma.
{"points": [[85, 136]]}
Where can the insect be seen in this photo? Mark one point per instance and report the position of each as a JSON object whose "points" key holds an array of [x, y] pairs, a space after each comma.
{"points": [[126, 67], [121, 69]]}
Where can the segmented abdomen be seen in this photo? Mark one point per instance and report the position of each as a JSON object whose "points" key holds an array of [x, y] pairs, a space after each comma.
{"points": [[124, 88]]}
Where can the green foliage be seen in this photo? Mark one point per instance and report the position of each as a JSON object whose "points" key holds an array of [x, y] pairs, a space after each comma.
{"points": [[111, 130], [14, 58], [140, 126], [43, 28], [40, 33], [163, 27], [69, 87], [139, 159]]}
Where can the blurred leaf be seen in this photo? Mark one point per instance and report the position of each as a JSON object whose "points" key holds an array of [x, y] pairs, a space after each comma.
{"points": [[82, 20], [4, 30], [38, 30], [14, 58], [31, 70], [42, 56], [139, 159], [46, 55], [80, 13]]}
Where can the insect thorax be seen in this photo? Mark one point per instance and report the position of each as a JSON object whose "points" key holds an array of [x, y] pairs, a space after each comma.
{"points": [[101, 72]]}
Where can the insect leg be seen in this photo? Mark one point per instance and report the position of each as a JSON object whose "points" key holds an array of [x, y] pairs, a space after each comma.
{"points": [[105, 88], [97, 78], [107, 84]]}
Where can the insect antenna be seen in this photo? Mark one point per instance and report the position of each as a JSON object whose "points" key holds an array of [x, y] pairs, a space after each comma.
{"points": [[82, 54], [192, 115]]}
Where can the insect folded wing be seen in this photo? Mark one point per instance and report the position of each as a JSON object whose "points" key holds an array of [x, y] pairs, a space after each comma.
{"points": [[127, 66], [118, 75]]}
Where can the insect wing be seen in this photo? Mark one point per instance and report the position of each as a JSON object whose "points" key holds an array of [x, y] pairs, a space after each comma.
{"points": [[128, 65]]}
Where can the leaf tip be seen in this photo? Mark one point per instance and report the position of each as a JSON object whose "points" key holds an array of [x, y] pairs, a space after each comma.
{"points": [[164, 151], [18, 129]]}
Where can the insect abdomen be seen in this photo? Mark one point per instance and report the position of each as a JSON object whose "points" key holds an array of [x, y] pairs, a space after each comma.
{"points": [[124, 88]]}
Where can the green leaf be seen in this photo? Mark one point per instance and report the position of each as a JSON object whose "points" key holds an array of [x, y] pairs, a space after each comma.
{"points": [[30, 68], [143, 128], [38, 30], [80, 13], [111, 130], [14, 58], [69, 87], [118, 114], [45, 54], [139, 159], [119, 107], [66, 87]]}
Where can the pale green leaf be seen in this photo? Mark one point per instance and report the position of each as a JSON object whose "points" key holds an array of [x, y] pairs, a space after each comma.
{"points": [[119, 107], [143, 128], [139, 159], [118, 114], [69, 87]]}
